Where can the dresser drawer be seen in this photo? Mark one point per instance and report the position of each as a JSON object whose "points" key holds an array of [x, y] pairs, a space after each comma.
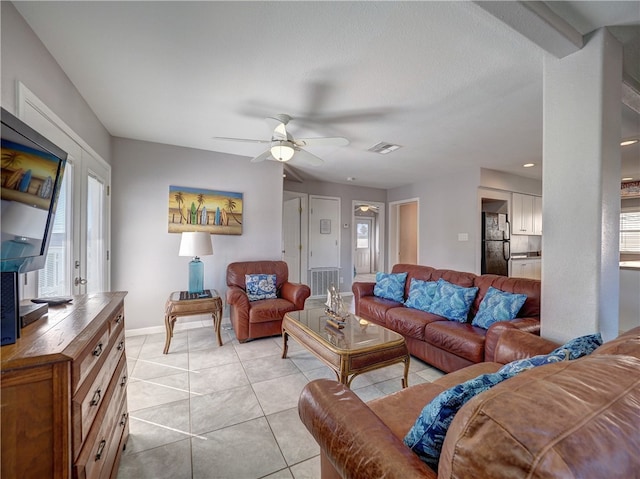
{"points": [[101, 446], [118, 440], [92, 394], [116, 323], [89, 358]]}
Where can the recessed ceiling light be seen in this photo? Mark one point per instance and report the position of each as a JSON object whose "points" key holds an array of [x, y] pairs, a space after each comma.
{"points": [[529, 165], [632, 141], [628, 178], [351, 178]]}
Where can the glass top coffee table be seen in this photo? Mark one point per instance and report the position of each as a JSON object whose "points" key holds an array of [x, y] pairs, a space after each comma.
{"points": [[357, 348]]}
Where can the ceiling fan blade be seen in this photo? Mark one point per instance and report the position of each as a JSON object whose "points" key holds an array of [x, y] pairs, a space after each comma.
{"points": [[326, 141], [261, 157], [280, 132], [243, 140], [305, 156]]}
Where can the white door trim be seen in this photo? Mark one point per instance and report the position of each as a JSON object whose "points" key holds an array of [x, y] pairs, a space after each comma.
{"points": [[304, 231]]}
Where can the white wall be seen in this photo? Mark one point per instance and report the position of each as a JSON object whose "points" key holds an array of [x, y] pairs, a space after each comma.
{"points": [[145, 259], [347, 194], [448, 206], [25, 59]]}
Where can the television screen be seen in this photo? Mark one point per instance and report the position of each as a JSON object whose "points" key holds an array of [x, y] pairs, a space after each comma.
{"points": [[32, 169]]}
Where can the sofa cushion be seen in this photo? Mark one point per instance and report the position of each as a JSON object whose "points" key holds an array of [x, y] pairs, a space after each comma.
{"points": [[375, 309], [421, 294], [390, 286], [460, 339], [452, 301], [497, 306], [409, 322], [260, 286], [267, 310], [427, 435], [580, 346]]}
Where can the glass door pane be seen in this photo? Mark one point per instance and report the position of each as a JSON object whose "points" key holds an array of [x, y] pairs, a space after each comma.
{"points": [[54, 278], [96, 251]]}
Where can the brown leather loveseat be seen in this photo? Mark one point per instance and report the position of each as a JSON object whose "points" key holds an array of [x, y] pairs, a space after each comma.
{"points": [[448, 345], [258, 319], [570, 419]]}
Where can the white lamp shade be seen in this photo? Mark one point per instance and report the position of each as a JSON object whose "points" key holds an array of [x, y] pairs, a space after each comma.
{"points": [[282, 150], [195, 243]]}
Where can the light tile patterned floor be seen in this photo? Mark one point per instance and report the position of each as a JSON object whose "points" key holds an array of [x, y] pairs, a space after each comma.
{"points": [[230, 412]]}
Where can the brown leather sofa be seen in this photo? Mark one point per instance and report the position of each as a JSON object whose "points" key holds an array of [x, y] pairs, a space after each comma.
{"points": [[448, 345], [257, 319], [572, 419]]}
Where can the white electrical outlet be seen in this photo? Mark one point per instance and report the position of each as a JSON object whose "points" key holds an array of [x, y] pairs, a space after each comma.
{"points": [[341, 280]]}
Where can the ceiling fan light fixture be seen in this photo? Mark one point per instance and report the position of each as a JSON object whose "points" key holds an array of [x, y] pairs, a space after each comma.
{"points": [[282, 150]]}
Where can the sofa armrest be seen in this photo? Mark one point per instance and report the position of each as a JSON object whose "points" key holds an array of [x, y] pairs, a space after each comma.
{"points": [[528, 325], [355, 441], [360, 290], [516, 344], [296, 293]]}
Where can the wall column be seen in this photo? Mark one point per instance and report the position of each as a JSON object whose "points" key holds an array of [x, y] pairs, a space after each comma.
{"points": [[581, 190]]}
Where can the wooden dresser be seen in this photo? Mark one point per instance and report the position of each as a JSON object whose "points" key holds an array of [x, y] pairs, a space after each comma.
{"points": [[63, 392]]}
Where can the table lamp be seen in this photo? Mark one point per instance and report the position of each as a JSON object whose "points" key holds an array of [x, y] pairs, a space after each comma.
{"points": [[195, 243]]}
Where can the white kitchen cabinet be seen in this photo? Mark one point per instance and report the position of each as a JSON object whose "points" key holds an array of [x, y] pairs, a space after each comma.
{"points": [[537, 215], [526, 268], [526, 214]]}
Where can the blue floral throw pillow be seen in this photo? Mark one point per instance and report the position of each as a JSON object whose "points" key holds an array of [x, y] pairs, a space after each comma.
{"points": [[426, 436], [390, 286], [515, 367], [420, 294], [260, 286], [452, 301], [581, 346], [497, 306]]}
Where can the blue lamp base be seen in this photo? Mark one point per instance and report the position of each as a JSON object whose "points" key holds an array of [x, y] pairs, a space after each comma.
{"points": [[196, 276]]}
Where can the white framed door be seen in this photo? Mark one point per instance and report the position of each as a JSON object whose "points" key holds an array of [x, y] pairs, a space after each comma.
{"points": [[364, 245], [324, 232], [78, 256], [291, 240]]}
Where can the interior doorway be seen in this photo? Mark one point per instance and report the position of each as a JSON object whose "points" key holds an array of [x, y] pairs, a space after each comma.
{"points": [[367, 240], [295, 235], [404, 232]]}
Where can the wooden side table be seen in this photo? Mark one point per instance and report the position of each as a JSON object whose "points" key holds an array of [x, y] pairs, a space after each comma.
{"points": [[181, 303]]}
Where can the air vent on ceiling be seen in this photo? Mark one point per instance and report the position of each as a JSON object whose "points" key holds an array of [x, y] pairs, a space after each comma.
{"points": [[384, 148]]}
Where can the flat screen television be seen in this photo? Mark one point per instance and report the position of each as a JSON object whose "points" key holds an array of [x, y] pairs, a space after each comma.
{"points": [[31, 175]]}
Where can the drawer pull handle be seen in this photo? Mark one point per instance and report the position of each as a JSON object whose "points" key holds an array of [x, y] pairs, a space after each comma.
{"points": [[96, 398], [120, 345], [98, 351], [101, 449], [118, 319], [124, 418], [123, 383]]}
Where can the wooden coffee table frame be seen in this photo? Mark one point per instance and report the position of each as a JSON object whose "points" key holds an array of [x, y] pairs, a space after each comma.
{"points": [[347, 363]]}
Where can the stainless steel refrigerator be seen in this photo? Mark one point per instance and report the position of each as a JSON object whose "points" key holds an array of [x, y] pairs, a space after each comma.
{"points": [[496, 246]]}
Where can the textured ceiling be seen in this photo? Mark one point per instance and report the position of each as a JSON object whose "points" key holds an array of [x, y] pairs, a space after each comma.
{"points": [[451, 84]]}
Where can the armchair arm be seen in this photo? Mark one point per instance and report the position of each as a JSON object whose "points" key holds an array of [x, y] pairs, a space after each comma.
{"points": [[237, 297], [507, 341], [296, 293], [355, 441]]}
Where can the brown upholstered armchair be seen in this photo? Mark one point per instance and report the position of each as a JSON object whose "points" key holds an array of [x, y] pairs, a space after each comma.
{"points": [[257, 319]]}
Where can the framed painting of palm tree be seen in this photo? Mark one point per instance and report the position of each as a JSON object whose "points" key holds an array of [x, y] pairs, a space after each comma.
{"points": [[197, 209]]}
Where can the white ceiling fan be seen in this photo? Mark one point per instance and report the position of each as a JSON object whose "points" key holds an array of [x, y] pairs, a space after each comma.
{"points": [[284, 147]]}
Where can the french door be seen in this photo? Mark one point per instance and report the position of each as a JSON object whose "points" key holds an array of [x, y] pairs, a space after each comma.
{"points": [[78, 255]]}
